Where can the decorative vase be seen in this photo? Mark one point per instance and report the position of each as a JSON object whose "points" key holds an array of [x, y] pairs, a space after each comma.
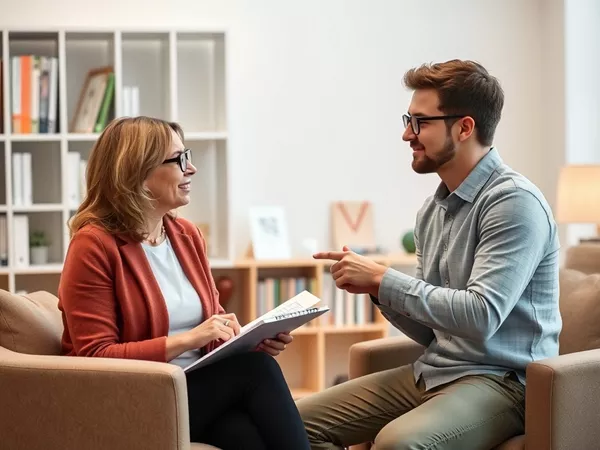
{"points": [[39, 255], [225, 287], [408, 242]]}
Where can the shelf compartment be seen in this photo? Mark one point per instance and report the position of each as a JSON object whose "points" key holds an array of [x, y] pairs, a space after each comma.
{"points": [[4, 282], [201, 81], [32, 282], [300, 363], [4, 88], [85, 52], [51, 224], [45, 170], [32, 56], [146, 75], [3, 177], [4, 243]]}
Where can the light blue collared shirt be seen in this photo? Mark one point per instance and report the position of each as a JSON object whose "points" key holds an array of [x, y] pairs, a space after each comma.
{"points": [[485, 295]]}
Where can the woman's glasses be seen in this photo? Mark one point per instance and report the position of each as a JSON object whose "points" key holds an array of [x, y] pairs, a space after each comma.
{"points": [[182, 159]]}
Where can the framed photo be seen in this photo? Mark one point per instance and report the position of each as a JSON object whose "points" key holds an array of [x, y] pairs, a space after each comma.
{"points": [[269, 233], [90, 100], [352, 224]]}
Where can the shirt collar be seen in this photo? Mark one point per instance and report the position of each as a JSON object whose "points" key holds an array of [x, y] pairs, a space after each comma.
{"points": [[476, 179]]}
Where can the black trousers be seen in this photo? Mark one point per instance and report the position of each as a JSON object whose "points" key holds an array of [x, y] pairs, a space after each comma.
{"points": [[243, 402]]}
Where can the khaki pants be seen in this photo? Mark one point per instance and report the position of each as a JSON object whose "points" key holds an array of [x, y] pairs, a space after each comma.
{"points": [[473, 413]]}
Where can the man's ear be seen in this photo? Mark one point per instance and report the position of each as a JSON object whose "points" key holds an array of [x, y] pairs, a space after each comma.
{"points": [[467, 128]]}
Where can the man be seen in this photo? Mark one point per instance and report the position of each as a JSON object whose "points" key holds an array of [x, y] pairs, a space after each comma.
{"points": [[484, 301]]}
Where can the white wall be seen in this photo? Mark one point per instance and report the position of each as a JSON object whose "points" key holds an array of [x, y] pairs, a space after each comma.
{"points": [[582, 51], [553, 84], [316, 95]]}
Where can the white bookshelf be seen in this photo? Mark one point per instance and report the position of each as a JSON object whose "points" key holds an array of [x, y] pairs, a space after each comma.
{"points": [[181, 76]]}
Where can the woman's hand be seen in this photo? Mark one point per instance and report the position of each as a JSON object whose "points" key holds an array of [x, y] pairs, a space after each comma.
{"points": [[219, 326], [275, 346]]}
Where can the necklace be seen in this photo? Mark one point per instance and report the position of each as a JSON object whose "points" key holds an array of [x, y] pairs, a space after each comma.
{"points": [[158, 238]]}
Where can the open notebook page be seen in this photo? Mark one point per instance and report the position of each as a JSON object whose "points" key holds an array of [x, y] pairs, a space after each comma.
{"points": [[299, 302]]}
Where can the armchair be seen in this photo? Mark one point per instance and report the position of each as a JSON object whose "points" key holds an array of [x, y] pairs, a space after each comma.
{"points": [[561, 405], [54, 402]]}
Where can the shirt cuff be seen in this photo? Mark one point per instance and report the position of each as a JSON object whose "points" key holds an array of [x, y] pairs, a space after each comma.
{"points": [[393, 288]]}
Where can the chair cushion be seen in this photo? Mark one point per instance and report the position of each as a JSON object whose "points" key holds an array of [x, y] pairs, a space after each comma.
{"points": [[580, 311], [583, 257], [30, 323]]}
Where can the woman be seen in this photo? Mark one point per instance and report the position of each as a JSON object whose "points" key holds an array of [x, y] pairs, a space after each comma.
{"points": [[136, 284]]}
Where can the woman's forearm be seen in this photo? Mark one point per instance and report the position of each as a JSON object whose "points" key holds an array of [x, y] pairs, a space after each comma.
{"points": [[176, 345]]}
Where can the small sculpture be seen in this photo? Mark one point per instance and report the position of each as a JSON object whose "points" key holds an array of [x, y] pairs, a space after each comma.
{"points": [[408, 242], [225, 287]]}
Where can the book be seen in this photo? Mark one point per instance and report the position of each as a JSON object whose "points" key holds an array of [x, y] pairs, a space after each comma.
{"points": [[288, 316]]}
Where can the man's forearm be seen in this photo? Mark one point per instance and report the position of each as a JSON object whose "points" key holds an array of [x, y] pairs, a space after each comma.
{"points": [[416, 331]]}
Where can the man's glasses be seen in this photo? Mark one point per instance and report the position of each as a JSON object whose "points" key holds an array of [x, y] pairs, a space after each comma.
{"points": [[415, 121], [182, 159]]}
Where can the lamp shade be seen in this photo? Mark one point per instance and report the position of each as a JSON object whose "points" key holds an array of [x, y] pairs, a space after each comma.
{"points": [[578, 197]]}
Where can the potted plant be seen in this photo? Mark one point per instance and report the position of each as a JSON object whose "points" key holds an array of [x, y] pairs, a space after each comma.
{"points": [[38, 244]]}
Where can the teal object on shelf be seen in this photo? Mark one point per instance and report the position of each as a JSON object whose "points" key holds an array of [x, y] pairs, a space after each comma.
{"points": [[408, 242]]}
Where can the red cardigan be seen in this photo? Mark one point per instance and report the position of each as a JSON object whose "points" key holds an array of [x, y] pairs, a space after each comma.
{"points": [[111, 303]]}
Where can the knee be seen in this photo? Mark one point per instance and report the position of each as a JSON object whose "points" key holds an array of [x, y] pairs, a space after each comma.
{"points": [[313, 416], [260, 364], [397, 436]]}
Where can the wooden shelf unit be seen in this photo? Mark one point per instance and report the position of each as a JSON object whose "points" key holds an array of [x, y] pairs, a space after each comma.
{"points": [[319, 352], [181, 75]]}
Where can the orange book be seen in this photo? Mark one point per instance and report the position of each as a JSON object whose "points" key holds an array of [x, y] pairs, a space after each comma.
{"points": [[26, 93]]}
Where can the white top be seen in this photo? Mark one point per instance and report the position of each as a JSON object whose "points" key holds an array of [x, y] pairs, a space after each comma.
{"points": [[183, 302]]}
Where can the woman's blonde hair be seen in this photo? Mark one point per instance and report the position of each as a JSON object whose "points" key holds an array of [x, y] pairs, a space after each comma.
{"points": [[120, 161]]}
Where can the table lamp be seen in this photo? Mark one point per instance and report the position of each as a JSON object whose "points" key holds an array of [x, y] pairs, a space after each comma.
{"points": [[578, 197]]}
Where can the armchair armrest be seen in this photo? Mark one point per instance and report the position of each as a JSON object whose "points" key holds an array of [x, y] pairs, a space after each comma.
{"points": [[381, 354], [68, 403], [562, 409]]}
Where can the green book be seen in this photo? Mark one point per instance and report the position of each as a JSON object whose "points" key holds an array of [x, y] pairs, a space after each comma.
{"points": [[108, 96]]}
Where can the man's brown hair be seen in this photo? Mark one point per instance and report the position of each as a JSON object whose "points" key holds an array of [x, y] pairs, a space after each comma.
{"points": [[464, 88]]}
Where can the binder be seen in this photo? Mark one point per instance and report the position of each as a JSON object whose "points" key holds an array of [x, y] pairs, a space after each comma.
{"points": [[266, 328]]}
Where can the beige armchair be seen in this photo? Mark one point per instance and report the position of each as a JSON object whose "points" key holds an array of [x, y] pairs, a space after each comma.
{"points": [[562, 410], [54, 402]]}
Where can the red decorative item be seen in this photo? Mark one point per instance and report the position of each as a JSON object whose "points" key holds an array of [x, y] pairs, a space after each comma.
{"points": [[225, 287]]}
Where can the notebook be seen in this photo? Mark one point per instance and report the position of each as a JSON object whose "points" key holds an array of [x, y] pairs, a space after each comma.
{"points": [[288, 316]]}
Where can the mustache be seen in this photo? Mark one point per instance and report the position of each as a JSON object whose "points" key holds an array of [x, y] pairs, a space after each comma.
{"points": [[415, 144]]}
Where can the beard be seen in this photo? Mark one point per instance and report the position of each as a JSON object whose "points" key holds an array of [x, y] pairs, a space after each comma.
{"points": [[424, 164]]}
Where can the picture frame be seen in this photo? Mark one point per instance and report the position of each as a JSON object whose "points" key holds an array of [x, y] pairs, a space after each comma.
{"points": [[90, 100], [269, 233], [352, 224]]}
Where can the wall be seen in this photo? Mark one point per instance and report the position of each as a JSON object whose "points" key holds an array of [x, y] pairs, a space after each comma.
{"points": [[553, 87], [582, 50], [316, 95]]}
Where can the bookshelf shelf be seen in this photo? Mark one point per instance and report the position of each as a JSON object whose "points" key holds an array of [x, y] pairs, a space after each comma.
{"points": [[39, 269], [177, 75], [34, 137], [82, 137], [48, 207], [350, 329]]}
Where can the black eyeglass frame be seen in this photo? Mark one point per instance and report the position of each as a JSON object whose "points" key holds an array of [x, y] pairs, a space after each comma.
{"points": [[181, 159], [416, 125]]}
